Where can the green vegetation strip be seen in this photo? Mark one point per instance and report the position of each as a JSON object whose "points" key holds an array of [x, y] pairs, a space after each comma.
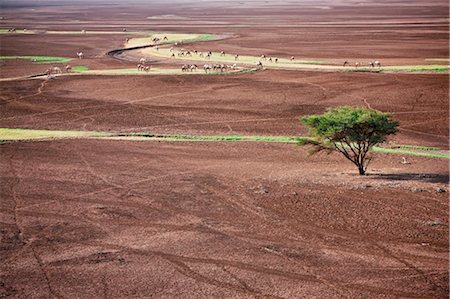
{"points": [[38, 59], [80, 68], [12, 135]]}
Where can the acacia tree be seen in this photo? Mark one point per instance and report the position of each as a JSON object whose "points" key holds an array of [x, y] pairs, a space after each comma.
{"points": [[351, 131]]}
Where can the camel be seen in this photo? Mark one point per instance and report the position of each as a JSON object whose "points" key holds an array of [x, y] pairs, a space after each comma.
{"points": [[236, 57], [345, 63], [292, 58], [68, 69], [80, 55], [222, 53]]}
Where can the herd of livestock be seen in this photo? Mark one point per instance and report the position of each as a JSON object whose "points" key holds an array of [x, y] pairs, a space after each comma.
{"points": [[182, 53]]}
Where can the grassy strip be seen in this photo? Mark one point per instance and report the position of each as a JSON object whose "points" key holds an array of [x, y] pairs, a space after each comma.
{"points": [[438, 59], [158, 71], [416, 147], [80, 68], [412, 153], [39, 59], [9, 135]]}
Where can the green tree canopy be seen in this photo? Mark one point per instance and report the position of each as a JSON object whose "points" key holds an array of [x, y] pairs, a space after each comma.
{"points": [[351, 131]]}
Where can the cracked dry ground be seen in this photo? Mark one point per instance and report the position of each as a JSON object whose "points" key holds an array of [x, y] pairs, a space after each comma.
{"points": [[101, 218]]}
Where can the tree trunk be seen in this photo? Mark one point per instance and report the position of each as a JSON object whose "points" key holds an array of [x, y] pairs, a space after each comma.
{"points": [[361, 169]]}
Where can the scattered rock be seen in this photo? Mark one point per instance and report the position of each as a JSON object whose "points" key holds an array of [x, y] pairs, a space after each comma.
{"points": [[417, 190], [261, 190], [435, 222], [440, 190]]}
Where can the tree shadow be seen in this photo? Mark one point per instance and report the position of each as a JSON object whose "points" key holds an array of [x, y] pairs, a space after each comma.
{"points": [[422, 177]]}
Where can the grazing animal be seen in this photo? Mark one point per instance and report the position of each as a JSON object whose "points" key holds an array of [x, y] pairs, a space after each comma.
{"points": [[222, 53], [172, 56], [142, 61], [193, 67], [200, 54], [377, 63], [236, 57], [147, 68], [171, 49], [140, 67], [157, 48], [83, 31], [404, 161], [185, 67], [371, 64], [165, 38], [12, 30], [234, 66], [68, 69], [276, 59], [208, 56], [195, 51], [345, 63], [270, 59], [259, 65], [80, 55], [127, 40], [207, 67], [292, 58], [356, 64], [263, 57], [124, 30], [53, 70]]}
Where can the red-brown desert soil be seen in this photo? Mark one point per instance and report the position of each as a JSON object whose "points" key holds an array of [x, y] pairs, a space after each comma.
{"points": [[89, 218]]}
